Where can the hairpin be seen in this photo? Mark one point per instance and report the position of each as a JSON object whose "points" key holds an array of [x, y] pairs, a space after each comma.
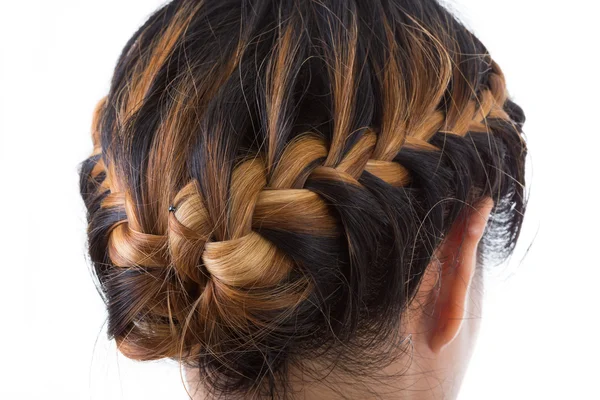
{"points": [[172, 208]]}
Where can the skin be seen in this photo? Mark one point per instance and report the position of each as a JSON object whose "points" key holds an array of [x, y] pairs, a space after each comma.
{"points": [[442, 324]]}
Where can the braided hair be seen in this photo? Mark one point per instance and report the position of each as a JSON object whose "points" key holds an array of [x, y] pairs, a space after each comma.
{"points": [[270, 179]]}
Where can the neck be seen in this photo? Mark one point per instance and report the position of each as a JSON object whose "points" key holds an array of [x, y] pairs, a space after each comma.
{"points": [[409, 377]]}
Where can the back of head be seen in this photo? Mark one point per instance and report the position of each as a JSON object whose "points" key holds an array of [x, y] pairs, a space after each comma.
{"points": [[270, 179]]}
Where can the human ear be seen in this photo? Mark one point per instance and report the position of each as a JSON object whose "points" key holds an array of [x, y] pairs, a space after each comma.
{"points": [[458, 257]]}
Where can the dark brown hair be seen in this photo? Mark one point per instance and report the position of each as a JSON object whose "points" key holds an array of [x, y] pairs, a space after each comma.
{"points": [[270, 179]]}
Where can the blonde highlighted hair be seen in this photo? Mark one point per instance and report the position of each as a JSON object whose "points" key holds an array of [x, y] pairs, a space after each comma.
{"points": [[270, 179]]}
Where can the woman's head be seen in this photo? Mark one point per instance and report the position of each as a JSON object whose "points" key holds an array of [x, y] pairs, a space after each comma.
{"points": [[277, 185]]}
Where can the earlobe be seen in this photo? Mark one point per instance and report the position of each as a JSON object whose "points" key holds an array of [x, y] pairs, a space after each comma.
{"points": [[458, 257]]}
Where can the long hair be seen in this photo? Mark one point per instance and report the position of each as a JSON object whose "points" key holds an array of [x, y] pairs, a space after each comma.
{"points": [[270, 179]]}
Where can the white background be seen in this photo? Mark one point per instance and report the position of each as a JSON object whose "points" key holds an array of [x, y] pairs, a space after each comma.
{"points": [[540, 328]]}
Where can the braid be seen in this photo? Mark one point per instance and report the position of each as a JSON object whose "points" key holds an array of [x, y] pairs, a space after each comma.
{"points": [[231, 234]]}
